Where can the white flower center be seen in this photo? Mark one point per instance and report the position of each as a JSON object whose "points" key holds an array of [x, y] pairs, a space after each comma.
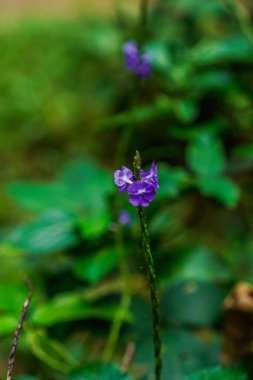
{"points": [[127, 180]]}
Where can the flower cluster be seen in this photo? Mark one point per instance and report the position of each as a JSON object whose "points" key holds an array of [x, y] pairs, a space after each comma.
{"points": [[142, 191], [138, 63]]}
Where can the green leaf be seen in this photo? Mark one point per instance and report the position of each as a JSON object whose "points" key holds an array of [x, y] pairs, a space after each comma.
{"points": [[42, 196], [236, 48], [71, 307], [94, 225], [244, 151], [171, 181], [197, 264], [8, 324], [205, 155], [99, 371], [192, 302], [52, 232], [26, 377], [88, 184], [185, 110], [12, 297], [82, 187], [221, 188], [161, 56], [50, 351], [218, 373], [184, 352], [96, 266]]}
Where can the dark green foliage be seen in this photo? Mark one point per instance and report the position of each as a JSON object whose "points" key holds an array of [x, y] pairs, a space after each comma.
{"points": [[98, 371], [218, 374], [70, 115]]}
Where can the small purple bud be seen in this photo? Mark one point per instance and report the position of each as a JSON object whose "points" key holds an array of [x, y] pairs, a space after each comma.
{"points": [[124, 218], [131, 55]]}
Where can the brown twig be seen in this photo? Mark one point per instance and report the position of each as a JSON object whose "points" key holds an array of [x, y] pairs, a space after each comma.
{"points": [[16, 336], [128, 357]]}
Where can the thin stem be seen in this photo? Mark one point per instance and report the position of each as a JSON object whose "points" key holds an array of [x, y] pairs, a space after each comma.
{"points": [[16, 336], [125, 298], [143, 17], [149, 263], [126, 293]]}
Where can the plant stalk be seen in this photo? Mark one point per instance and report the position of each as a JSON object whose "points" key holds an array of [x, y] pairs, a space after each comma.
{"points": [[151, 275]]}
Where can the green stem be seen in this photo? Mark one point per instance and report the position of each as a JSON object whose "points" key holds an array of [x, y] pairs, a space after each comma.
{"points": [[120, 157], [149, 263], [125, 298], [143, 16]]}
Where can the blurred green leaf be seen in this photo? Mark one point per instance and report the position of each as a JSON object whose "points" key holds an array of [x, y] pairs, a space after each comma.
{"points": [[236, 49], [50, 351], [212, 80], [244, 151], [8, 324], [161, 56], [96, 266], [218, 373], [198, 264], [184, 352], [94, 225], [205, 155], [221, 188], [88, 184], [71, 307], [12, 297], [52, 232], [185, 110], [42, 196], [98, 371], [161, 107], [171, 180], [192, 303]]}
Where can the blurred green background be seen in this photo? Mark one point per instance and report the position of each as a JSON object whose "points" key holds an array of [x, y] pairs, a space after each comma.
{"points": [[70, 115]]}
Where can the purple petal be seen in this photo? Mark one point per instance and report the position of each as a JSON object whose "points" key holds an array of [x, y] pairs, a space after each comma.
{"points": [[151, 176], [150, 197], [131, 55], [123, 178], [145, 66], [135, 200]]}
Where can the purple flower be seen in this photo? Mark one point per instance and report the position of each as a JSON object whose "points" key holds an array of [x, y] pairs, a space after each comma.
{"points": [[131, 55], [123, 178], [145, 66], [140, 64], [124, 218], [141, 193], [151, 176]]}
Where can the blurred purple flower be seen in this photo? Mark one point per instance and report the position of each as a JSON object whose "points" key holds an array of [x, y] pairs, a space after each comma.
{"points": [[145, 66], [131, 55], [124, 218], [141, 192], [141, 64]]}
